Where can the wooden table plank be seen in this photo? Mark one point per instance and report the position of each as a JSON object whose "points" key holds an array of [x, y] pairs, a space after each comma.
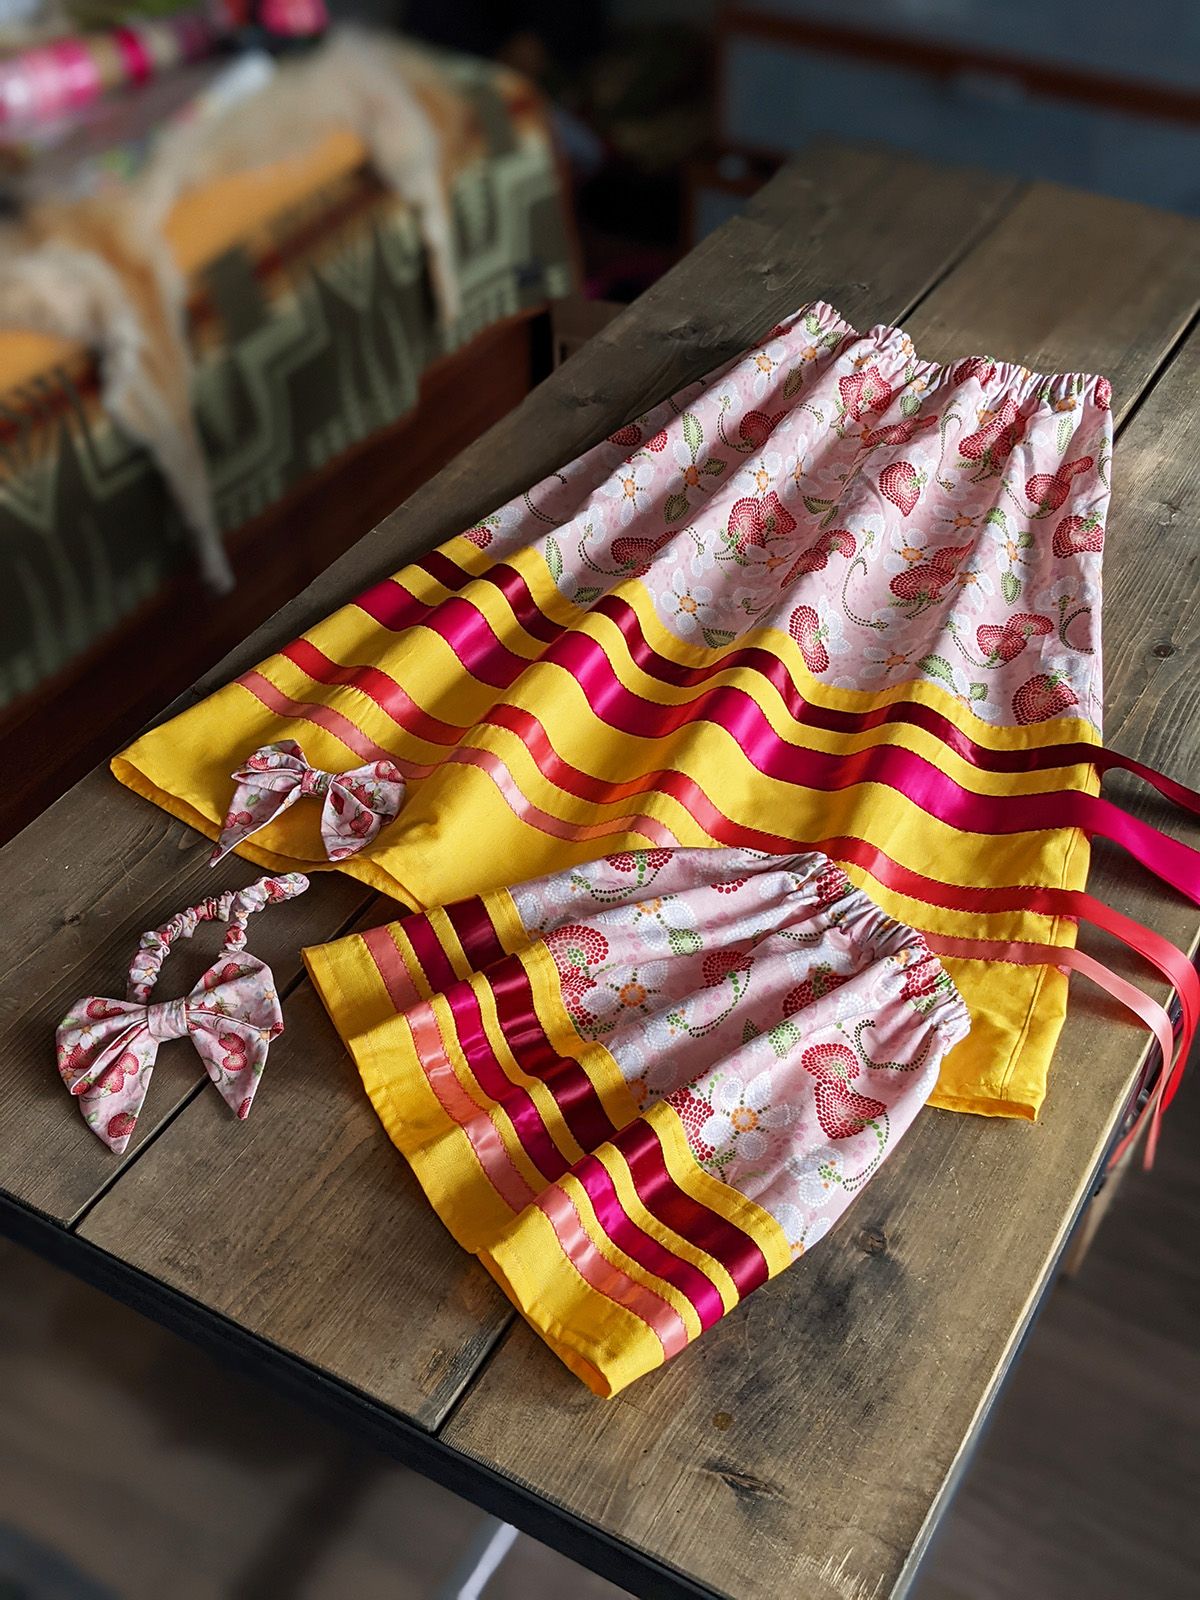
{"points": [[805, 1444], [1072, 281], [101, 865]]}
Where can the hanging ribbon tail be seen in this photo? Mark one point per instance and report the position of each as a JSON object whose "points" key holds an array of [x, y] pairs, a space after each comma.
{"points": [[1136, 1000], [105, 1058], [233, 1052], [358, 804], [259, 798]]}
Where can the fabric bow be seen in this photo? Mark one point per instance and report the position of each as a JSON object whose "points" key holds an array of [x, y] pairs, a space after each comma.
{"points": [[106, 1048], [355, 804]]}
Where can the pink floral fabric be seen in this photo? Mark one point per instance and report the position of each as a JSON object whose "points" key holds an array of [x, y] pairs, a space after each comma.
{"points": [[107, 1048], [354, 805], [898, 519], [795, 1028]]}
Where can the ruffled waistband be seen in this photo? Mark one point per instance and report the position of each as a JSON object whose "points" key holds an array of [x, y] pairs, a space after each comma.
{"points": [[893, 351]]}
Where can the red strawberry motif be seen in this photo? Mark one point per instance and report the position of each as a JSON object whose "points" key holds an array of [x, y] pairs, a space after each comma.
{"points": [[658, 443], [753, 522], [1048, 491], [974, 367], [756, 427], [627, 436], [235, 1057], [1074, 535], [480, 536], [577, 945], [387, 772], [923, 978], [112, 1079], [223, 974], [627, 860], [902, 484], [120, 1126], [1004, 642], [830, 1062], [805, 629], [920, 585], [840, 1110], [816, 557], [636, 554], [243, 1111], [822, 980], [98, 1010], [1103, 394], [693, 1112], [238, 819], [898, 432], [923, 981], [719, 964], [832, 884], [866, 390], [1044, 695], [729, 885], [923, 584], [994, 441]]}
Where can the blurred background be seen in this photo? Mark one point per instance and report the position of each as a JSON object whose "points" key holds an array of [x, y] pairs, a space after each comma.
{"points": [[230, 343]]}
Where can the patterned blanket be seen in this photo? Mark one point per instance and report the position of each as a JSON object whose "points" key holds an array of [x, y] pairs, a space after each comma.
{"points": [[311, 323]]}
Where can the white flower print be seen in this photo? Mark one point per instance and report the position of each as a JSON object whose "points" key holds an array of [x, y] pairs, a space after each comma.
{"points": [[629, 486], [743, 1117], [817, 1174], [761, 473], [975, 588], [686, 606], [763, 365], [666, 923], [884, 661]]}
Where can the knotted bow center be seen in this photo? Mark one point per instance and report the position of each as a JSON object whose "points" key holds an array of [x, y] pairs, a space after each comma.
{"points": [[316, 783], [167, 1019]]}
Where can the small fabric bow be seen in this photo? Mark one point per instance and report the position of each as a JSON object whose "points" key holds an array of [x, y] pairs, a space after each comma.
{"points": [[355, 804], [107, 1048]]}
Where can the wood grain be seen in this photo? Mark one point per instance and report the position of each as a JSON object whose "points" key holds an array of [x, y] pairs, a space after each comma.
{"points": [[805, 1444]]}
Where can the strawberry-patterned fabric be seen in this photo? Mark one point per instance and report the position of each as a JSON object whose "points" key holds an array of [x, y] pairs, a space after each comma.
{"points": [[639, 1088], [900, 519], [794, 1027], [107, 1048], [354, 804]]}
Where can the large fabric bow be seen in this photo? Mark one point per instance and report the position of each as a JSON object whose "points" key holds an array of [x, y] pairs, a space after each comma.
{"points": [[106, 1048], [356, 804]]}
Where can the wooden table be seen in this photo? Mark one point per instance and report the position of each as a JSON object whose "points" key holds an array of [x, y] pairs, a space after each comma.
{"points": [[809, 1443]]}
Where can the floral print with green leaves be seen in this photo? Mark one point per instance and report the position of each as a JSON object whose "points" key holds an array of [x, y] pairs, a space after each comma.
{"points": [[897, 519], [795, 1029]]}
